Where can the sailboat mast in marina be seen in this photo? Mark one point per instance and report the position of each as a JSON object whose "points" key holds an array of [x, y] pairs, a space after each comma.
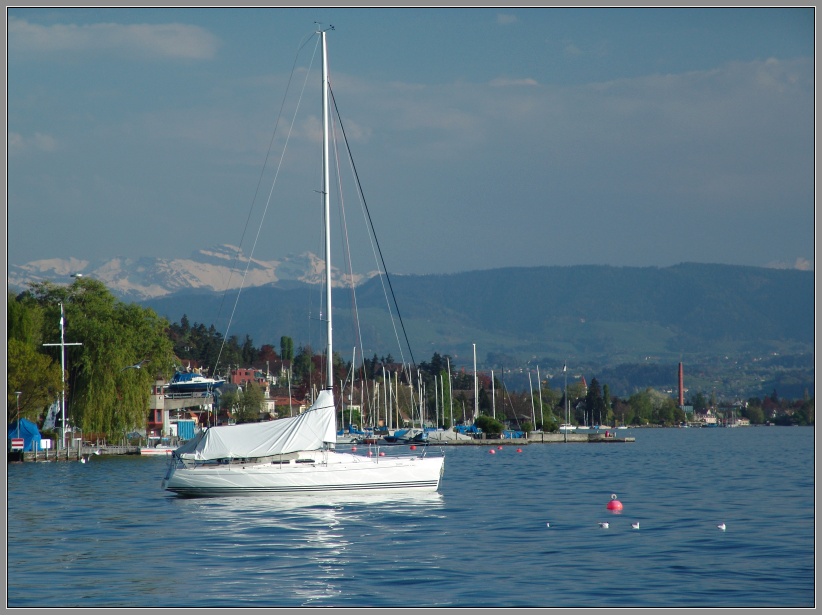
{"points": [[297, 454]]}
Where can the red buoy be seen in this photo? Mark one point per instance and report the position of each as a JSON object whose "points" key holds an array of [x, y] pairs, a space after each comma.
{"points": [[500, 447], [382, 453], [519, 450], [493, 452], [413, 447], [353, 448], [615, 506]]}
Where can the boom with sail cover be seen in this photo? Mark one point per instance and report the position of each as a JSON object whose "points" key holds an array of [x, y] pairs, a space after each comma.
{"points": [[310, 430]]}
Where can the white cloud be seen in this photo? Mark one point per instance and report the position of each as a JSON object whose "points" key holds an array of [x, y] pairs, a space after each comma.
{"points": [[803, 264], [503, 82], [571, 50], [19, 144], [172, 40]]}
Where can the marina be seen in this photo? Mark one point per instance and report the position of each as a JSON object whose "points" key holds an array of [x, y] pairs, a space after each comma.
{"points": [[77, 454]]}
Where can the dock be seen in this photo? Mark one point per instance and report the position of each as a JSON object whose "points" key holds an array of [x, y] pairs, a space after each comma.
{"points": [[76, 454], [71, 454], [539, 438]]}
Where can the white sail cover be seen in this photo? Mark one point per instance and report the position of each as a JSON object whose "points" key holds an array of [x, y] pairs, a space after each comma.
{"points": [[306, 432]]}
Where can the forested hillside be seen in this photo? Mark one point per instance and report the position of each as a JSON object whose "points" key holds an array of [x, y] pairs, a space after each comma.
{"points": [[594, 316]]}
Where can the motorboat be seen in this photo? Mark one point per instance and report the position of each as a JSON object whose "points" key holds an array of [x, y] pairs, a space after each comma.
{"points": [[192, 382]]}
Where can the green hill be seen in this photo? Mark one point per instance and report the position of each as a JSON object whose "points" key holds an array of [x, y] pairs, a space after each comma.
{"points": [[597, 317]]}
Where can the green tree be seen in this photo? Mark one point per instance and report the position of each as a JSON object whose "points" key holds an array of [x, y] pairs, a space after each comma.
{"points": [[551, 408], [286, 348], [699, 402], [489, 425], [606, 400], [446, 398], [484, 401], [25, 320], [804, 414], [641, 407], [249, 404], [595, 403], [105, 395], [303, 364], [230, 402], [249, 353], [754, 412], [36, 376], [623, 412], [29, 370]]}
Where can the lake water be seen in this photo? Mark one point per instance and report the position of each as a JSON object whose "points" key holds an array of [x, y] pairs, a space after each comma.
{"points": [[505, 530]]}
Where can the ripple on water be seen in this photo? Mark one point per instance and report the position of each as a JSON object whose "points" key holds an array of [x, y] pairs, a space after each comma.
{"points": [[112, 537]]}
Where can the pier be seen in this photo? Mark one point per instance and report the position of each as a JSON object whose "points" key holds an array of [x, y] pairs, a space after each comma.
{"points": [[78, 453], [71, 454], [540, 438]]}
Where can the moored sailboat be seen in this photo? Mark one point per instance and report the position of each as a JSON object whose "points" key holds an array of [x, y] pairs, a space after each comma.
{"points": [[296, 455]]}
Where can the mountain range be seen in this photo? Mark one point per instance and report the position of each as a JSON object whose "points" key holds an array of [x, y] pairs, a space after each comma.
{"points": [[737, 328], [218, 268]]}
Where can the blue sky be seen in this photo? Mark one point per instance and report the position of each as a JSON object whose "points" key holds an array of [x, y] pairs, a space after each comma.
{"points": [[483, 138]]}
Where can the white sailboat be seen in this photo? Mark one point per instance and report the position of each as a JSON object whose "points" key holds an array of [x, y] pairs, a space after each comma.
{"points": [[296, 455]]}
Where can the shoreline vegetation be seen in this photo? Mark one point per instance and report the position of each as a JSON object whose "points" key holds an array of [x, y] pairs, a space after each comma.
{"points": [[103, 394]]}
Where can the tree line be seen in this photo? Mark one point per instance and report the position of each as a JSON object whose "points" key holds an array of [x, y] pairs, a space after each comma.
{"points": [[125, 347], [109, 373]]}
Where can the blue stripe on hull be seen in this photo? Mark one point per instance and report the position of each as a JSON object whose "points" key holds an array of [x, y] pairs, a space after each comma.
{"points": [[218, 491]]}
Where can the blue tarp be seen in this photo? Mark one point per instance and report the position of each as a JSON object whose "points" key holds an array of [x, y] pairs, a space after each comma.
{"points": [[185, 430], [467, 429], [28, 431]]}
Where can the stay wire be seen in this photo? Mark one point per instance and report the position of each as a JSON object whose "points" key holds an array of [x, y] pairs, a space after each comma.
{"points": [[273, 184], [347, 252], [373, 231]]}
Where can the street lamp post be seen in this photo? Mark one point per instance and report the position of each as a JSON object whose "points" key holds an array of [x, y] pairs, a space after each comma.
{"points": [[18, 393]]}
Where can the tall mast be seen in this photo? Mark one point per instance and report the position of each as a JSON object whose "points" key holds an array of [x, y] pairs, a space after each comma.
{"points": [[450, 393], [329, 381], [62, 346], [493, 398], [476, 389], [539, 388]]}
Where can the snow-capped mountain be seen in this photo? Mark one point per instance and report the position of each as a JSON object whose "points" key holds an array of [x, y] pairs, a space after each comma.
{"points": [[217, 269]]}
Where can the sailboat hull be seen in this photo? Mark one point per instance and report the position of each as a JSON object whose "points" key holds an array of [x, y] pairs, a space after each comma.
{"points": [[319, 472]]}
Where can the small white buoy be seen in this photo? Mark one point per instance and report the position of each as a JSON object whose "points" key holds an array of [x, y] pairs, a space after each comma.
{"points": [[82, 460], [635, 525], [721, 526], [547, 525], [604, 525]]}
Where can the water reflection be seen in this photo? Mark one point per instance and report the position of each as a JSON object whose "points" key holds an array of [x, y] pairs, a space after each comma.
{"points": [[299, 550]]}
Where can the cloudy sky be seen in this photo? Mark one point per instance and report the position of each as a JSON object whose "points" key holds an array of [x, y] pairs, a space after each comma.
{"points": [[482, 138]]}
